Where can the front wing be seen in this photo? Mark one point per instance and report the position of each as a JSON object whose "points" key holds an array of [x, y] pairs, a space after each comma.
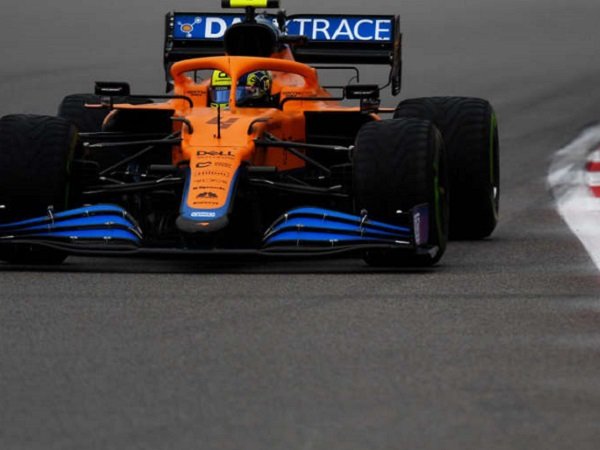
{"points": [[110, 230]]}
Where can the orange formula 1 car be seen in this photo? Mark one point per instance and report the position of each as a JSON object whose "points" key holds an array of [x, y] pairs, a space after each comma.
{"points": [[249, 154]]}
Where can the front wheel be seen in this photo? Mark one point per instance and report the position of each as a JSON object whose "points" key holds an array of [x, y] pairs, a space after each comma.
{"points": [[35, 155], [470, 131], [399, 164]]}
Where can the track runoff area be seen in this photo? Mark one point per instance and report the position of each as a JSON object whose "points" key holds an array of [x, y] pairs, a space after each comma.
{"points": [[575, 182]]}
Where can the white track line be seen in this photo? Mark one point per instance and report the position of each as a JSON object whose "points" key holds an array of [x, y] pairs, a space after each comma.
{"points": [[571, 184]]}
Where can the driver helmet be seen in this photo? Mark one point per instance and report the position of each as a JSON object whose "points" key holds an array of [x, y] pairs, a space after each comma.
{"points": [[220, 89], [254, 88]]}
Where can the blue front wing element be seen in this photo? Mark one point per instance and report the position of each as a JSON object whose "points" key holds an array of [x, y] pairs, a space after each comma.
{"points": [[307, 228], [108, 226]]}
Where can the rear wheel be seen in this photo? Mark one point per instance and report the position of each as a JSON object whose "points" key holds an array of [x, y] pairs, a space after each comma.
{"points": [[399, 164], [470, 131], [35, 155], [87, 120], [91, 119]]}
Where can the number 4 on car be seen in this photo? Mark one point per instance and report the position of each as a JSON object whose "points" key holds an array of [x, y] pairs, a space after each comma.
{"points": [[248, 153]]}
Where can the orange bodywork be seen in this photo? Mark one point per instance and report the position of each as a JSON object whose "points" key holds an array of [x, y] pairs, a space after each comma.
{"points": [[214, 159]]}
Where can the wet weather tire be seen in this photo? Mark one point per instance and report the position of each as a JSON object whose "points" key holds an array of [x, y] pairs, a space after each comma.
{"points": [[470, 131], [87, 120], [91, 120], [399, 164], [35, 152]]}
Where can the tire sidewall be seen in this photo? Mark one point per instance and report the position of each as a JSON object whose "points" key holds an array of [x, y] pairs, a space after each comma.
{"points": [[399, 164], [470, 130]]}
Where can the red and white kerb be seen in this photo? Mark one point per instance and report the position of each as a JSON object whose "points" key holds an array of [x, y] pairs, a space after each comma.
{"points": [[593, 172]]}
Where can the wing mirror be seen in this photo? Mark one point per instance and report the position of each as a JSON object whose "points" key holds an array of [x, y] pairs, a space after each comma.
{"points": [[368, 94]]}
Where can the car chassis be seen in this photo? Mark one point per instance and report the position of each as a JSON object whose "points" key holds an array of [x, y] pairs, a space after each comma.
{"points": [[136, 193]]}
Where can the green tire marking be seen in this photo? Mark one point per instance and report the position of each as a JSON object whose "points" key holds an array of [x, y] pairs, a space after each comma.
{"points": [[70, 156], [436, 190], [493, 125]]}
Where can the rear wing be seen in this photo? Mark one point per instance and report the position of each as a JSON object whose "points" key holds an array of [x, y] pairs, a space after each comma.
{"points": [[330, 39]]}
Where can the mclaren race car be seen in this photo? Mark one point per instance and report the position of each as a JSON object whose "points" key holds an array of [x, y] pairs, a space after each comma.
{"points": [[248, 153]]}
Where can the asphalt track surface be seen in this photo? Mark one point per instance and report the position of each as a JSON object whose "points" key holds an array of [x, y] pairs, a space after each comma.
{"points": [[497, 348]]}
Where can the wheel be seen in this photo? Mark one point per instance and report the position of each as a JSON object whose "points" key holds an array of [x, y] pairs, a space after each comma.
{"points": [[35, 153], [90, 120], [399, 164], [470, 131], [87, 120]]}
